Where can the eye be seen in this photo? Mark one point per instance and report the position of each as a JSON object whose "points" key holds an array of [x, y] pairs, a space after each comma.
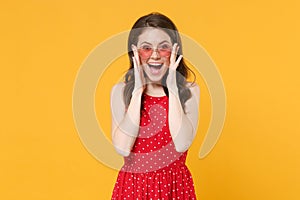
{"points": [[146, 48], [165, 47]]}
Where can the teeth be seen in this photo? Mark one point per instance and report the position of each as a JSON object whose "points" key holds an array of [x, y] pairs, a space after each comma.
{"points": [[155, 65]]}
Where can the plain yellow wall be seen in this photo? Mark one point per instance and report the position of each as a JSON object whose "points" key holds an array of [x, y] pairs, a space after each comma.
{"points": [[255, 45]]}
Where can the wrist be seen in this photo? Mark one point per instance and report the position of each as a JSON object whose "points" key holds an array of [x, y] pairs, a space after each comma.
{"points": [[137, 91], [172, 86], [171, 79], [173, 90]]}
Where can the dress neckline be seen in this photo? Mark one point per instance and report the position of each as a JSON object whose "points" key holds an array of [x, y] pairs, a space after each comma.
{"points": [[154, 96]]}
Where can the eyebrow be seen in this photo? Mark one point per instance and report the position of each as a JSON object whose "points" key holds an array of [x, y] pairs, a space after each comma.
{"points": [[158, 43]]}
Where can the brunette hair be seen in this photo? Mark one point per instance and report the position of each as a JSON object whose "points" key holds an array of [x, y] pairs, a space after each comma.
{"points": [[157, 20]]}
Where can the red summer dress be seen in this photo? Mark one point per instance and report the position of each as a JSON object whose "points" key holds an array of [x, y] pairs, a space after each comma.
{"points": [[154, 170]]}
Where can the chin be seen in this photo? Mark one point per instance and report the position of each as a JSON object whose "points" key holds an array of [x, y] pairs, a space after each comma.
{"points": [[152, 79]]}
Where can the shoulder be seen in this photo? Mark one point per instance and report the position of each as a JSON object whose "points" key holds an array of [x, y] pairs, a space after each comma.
{"points": [[119, 85], [116, 93], [117, 101], [118, 88], [195, 92], [194, 87]]}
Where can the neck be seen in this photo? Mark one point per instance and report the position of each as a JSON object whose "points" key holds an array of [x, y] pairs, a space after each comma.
{"points": [[154, 89]]}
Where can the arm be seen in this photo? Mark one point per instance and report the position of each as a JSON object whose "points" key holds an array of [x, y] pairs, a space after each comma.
{"points": [[182, 125], [125, 124]]}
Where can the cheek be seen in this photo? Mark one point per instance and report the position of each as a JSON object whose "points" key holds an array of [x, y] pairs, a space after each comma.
{"points": [[143, 60], [167, 61]]}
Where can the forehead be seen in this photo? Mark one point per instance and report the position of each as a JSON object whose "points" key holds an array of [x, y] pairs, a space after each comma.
{"points": [[153, 36]]}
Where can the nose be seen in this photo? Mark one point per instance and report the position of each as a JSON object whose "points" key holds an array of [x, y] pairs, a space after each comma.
{"points": [[155, 54]]}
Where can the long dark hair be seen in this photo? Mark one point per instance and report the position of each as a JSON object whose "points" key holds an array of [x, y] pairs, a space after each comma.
{"points": [[157, 20]]}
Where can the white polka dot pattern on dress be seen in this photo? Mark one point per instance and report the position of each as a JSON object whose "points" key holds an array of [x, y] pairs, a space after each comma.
{"points": [[154, 169]]}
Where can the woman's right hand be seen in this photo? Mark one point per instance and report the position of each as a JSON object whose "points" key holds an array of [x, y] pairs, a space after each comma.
{"points": [[139, 78]]}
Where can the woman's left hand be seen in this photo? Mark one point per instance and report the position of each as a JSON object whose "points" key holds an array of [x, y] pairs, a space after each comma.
{"points": [[171, 79]]}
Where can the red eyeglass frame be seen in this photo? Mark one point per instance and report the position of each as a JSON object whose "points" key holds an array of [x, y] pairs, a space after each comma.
{"points": [[146, 51]]}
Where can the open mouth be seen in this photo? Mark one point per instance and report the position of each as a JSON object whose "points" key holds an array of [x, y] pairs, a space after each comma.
{"points": [[155, 68]]}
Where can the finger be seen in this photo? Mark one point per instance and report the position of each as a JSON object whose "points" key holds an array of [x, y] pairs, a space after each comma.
{"points": [[177, 50], [178, 60], [134, 49], [134, 63], [173, 54], [136, 54]]}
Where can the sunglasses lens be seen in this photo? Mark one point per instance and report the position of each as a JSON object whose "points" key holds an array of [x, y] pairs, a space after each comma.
{"points": [[147, 51], [164, 52]]}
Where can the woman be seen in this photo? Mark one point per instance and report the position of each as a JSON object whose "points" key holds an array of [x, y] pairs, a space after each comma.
{"points": [[155, 115]]}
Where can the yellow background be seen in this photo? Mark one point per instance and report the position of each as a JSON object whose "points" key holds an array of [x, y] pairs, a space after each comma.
{"points": [[255, 45]]}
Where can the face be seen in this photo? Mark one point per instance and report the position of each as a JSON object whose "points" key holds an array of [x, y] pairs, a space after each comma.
{"points": [[154, 48]]}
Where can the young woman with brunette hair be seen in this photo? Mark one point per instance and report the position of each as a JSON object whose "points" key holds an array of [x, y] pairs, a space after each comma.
{"points": [[155, 115]]}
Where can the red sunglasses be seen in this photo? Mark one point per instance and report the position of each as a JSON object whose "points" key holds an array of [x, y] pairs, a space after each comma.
{"points": [[146, 51]]}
